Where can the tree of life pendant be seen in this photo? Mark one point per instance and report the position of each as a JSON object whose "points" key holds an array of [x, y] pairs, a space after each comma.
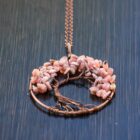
{"points": [[97, 73]]}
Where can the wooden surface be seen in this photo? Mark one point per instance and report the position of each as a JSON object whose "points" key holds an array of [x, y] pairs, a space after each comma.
{"points": [[32, 32]]}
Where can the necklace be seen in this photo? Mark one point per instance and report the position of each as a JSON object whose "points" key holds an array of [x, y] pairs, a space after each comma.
{"points": [[72, 67]]}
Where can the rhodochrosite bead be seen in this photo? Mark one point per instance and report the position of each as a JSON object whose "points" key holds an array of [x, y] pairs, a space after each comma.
{"points": [[97, 70]]}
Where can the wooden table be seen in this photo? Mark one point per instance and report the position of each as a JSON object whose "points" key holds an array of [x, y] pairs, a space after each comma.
{"points": [[32, 32]]}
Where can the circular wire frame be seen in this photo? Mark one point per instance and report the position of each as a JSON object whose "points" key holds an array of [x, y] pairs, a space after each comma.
{"points": [[82, 110]]}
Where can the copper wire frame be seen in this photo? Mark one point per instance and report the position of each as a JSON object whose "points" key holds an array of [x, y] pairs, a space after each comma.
{"points": [[82, 110]]}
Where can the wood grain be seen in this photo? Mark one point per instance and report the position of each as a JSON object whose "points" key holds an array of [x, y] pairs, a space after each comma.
{"points": [[32, 32]]}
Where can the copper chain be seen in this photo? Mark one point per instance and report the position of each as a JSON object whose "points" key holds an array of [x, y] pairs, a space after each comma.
{"points": [[69, 25]]}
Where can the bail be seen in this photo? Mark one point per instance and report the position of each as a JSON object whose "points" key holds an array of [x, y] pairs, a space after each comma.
{"points": [[69, 46]]}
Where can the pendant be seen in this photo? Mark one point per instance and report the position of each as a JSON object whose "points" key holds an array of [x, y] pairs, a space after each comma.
{"points": [[100, 76]]}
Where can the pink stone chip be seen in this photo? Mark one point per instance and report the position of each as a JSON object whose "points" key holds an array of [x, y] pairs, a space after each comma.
{"points": [[41, 88]]}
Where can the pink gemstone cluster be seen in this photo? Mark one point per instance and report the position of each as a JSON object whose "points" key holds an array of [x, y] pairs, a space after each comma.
{"points": [[99, 71]]}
